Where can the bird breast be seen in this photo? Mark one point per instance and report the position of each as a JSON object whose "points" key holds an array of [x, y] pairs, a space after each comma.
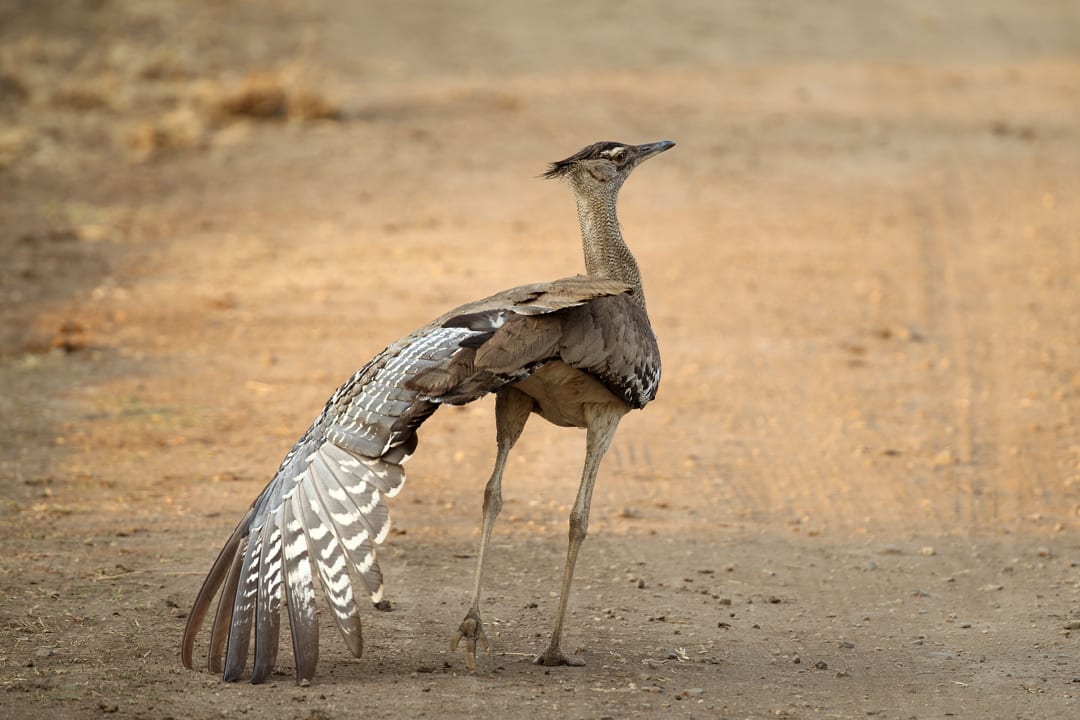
{"points": [[562, 393]]}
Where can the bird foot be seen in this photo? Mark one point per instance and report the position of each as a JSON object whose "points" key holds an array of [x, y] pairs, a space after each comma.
{"points": [[472, 631], [553, 657]]}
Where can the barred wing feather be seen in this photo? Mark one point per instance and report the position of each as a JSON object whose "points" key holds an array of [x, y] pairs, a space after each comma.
{"points": [[325, 510]]}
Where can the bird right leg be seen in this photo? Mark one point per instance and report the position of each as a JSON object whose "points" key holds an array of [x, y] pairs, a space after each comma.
{"points": [[601, 423], [512, 408]]}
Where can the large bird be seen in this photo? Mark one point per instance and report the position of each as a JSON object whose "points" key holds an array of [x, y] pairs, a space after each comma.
{"points": [[579, 352]]}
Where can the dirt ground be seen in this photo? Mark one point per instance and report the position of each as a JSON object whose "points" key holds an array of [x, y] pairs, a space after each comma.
{"points": [[858, 493]]}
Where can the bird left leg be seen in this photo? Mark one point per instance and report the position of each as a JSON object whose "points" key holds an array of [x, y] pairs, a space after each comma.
{"points": [[512, 408], [601, 423]]}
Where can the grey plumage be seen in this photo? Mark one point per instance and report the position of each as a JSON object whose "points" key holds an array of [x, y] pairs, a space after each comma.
{"points": [[566, 350]]}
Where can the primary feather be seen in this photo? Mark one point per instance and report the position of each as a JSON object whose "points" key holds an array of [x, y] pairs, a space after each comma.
{"points": [[324, 512]]}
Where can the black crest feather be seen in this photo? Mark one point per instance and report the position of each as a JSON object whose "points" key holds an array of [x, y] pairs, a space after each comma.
{"points": [[560, 168]]}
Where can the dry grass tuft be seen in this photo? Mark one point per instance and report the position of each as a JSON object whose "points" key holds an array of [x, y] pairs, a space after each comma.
{"points": [[180, 129], [270, 97], [306, 105], [15, 143], [12, 89], [78, 99], [262, 97]]}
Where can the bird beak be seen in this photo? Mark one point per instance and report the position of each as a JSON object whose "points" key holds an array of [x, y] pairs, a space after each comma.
{"points": [[655, 148]]}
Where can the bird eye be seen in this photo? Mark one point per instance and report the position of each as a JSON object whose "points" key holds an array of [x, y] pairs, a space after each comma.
{"points": [[615, 153]]}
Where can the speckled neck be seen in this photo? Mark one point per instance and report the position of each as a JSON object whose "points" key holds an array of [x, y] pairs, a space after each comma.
{"points": [[606, 253]]}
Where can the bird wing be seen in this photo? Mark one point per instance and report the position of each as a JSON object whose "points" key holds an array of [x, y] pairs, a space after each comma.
{"points": [[324, 510], [611, 339]]}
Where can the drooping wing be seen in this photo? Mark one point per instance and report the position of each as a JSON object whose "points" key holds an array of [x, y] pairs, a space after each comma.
{"points": [[324, 511]]}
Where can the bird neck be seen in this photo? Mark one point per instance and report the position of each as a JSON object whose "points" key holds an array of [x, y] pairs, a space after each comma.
{"points": [[606, 253]]}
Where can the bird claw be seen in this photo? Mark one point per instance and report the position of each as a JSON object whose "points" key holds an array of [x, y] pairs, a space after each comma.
{"points": [[553, 657], [472, 631]]}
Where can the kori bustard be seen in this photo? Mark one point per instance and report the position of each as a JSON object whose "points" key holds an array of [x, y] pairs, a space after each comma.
{"points": [[579, 352]]}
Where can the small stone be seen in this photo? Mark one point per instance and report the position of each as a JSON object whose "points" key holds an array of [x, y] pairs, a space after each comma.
{"points": [[821, 665], [695, 692], [928, 551], [943, 458]]}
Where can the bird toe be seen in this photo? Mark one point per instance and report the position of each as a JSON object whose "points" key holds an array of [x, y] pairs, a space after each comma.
{"points": [[554, 656], [472, 632]]}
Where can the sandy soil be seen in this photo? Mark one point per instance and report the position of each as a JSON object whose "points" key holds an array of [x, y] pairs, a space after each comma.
{"points": [[858, 493]]}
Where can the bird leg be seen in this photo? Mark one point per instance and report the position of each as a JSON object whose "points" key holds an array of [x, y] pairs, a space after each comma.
{"points": [[601, 423], [512, 408]]}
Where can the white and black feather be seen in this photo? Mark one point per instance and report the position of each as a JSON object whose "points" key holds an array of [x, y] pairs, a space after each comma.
{"points": [[324, 512]]}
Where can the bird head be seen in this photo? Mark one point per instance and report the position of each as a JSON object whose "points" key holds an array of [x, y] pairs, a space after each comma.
{"points": [[604, 165]]}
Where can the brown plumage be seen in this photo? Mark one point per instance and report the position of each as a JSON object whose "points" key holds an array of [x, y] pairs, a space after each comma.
{"points": [[578, 351]]}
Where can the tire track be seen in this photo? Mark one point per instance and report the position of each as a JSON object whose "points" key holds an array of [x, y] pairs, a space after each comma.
{"points": [[1024, 317], [937, 228]]}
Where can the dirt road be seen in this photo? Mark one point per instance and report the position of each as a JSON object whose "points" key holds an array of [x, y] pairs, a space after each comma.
{"points": [[858, 493]]}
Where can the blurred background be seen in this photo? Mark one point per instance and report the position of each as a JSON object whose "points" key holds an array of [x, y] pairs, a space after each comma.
{"points": [[862, 261]]}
